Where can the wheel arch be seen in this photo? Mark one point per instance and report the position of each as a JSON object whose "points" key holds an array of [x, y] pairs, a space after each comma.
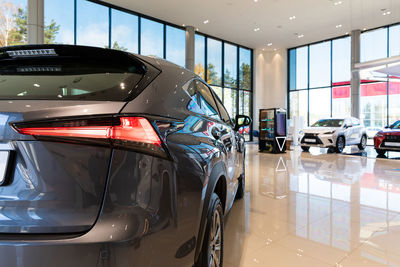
{"points": [[217, 184]]}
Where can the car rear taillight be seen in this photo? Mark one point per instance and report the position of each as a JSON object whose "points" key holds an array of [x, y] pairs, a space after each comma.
{"points": [[122, 132]]}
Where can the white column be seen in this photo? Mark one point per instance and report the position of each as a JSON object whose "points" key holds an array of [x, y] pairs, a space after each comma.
{"points": [[36, 21], [189, 63], [355, 74]]}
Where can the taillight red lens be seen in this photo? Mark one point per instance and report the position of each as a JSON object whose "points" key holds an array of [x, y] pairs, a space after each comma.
{"points": [[135, 129]]}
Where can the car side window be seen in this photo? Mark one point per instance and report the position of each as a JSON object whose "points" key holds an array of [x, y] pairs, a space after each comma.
{"points": [[207, 105], [190, 89], [222, 110]]}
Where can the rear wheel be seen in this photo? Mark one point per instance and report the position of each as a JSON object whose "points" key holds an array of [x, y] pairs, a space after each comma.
{"points": [[363, 144], [340, 144], [380, 152], [212, 252], [305, 148]]}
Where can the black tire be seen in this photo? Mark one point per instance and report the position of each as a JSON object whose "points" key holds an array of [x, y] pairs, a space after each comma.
{"points": [[340, 144], [241, 191], [305, 148], [380, 152], [208, 243], [363, 144]]}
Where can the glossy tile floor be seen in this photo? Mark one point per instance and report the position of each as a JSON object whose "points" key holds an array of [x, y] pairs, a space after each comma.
{"points": [[316, 209]]}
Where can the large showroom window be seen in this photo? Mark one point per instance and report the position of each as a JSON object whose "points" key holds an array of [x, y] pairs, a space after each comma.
{"points": [[151, 38], [14, 14], [175, 45], [319, 80], [379, 93], [92, 24], [320, 74], [124, 31], [59, 22], [228, 71]]}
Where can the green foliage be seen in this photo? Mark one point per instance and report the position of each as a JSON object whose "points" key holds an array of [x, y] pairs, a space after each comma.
{"points": [[212, 75], [117, 46], [245, 76], [50, 32], [19, 33]]}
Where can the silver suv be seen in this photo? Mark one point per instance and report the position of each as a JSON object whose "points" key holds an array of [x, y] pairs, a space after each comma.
{"points": [[335, 134]]}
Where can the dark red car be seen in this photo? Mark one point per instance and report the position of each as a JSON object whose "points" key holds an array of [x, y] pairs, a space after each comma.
{"points": [[388, 139]]}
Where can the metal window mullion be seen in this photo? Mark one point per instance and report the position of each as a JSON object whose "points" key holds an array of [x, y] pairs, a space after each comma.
{"points": [[223, 71], [251, 88], [331, 78], [109, 27], [164, 41], [206, 58], [139, 35], [75, 20], [308, 85], [237, 83], [387, 80]]}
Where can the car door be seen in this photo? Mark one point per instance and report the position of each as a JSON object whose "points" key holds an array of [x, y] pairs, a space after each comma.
{"points": [[222, 132], [238, 141]]}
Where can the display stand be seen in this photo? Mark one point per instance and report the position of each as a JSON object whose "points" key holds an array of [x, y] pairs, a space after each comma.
{"points": [[273, 133]]}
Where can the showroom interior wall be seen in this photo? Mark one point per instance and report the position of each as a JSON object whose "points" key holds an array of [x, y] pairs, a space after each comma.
{"points": [[270, 81], [226, 66]]}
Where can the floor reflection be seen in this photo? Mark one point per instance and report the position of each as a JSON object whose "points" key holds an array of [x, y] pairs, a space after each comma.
{"points": [[315, 209]]}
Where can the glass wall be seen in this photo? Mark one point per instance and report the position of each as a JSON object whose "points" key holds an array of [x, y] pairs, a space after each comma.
{"points": [[380, 94], [124, 31], [228, 71], [320, 74], [13, 21], [319, 79], [92, 24], [104, 26]]}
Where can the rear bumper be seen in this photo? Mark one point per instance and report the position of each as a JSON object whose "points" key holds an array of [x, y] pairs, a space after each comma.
{"points": [[135, 224]]}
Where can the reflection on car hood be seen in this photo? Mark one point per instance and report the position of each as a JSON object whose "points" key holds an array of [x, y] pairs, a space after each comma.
{"points": [[320, 129]]}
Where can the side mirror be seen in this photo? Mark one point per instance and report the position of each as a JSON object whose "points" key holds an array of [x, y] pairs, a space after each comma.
{"points": [[346, 126], [387, 127], [241, 121]]}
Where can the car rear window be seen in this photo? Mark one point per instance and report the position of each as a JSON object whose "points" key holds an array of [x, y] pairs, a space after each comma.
{"points": [[69, 74]]}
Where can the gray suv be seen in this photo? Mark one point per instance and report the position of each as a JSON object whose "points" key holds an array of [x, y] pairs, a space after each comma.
{"points": [[334, 133]]}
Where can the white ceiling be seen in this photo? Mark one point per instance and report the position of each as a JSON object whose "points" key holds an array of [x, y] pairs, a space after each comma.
{"points": [[235, 20]]}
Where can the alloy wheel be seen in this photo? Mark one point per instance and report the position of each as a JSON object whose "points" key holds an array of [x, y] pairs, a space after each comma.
{"points": [[215, 241]]}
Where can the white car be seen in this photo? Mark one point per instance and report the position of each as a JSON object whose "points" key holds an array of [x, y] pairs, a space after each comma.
{"points": [[334, 134]]}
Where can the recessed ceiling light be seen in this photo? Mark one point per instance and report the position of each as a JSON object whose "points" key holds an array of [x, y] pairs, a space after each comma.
{"points": [[292, 17], [339, 26], [269, 44], [197, 29], [256, 29], [255, 1], [364, 29], [300, 36], [347, 33], [206, 21], [275, 49], [183, 25], [263, 49], [386, 13], [338, 3]]}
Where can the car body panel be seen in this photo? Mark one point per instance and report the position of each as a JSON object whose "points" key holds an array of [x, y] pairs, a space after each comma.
{"points": [[151, 211]]}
